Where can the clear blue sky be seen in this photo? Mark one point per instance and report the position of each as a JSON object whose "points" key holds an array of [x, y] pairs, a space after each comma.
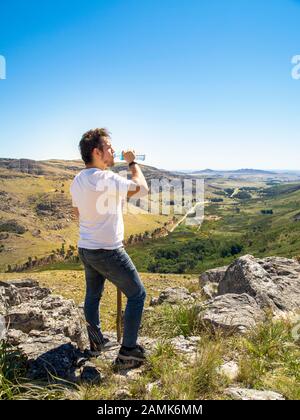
{"points": [[191, 83]]}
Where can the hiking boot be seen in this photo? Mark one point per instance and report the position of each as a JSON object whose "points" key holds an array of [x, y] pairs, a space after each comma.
{"points": [[141, 348], [120, 364], [107, 344], [137, 354]]}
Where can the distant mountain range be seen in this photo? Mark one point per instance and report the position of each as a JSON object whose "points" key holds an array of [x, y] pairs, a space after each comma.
{"points": [[246, 171]]}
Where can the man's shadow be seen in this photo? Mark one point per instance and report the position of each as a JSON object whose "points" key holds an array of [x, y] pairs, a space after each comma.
{"points": [[64, 363]]}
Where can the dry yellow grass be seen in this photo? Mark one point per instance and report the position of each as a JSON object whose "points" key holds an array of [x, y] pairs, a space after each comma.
{"points": [[19, 247]]}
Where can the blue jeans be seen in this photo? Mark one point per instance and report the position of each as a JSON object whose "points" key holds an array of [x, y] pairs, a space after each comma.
{"points": [[116, 266]]}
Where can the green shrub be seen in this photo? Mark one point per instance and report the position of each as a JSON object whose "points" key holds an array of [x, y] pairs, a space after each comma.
{"points": [[12, 226]]}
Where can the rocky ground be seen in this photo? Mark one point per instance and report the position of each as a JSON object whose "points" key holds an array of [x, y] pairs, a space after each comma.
{"points": [[269, 283], [50, 331]]}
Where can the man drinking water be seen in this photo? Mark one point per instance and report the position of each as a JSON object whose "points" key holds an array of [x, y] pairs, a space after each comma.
{"points": [[97, 197]]}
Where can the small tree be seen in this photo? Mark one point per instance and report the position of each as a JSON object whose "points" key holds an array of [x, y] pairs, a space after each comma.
{"points": [[62, 250]]}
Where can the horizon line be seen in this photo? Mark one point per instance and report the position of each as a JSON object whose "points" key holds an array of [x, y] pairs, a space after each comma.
{"points": [[172, 170]]}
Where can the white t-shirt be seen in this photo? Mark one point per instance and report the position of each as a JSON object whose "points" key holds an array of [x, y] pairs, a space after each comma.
{"points": [[99, 196]]}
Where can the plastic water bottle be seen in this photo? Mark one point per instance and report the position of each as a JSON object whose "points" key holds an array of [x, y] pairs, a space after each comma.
{"points": [[119, 156]]}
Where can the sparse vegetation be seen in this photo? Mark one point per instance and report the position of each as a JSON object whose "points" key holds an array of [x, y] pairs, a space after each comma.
{"points": [[242, 195], [217, 200], [270, 357], [270, 211], [170, 321], [12, 226]]}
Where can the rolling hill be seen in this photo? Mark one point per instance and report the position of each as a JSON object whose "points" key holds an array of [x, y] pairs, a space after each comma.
{"points": [[35, 208]]}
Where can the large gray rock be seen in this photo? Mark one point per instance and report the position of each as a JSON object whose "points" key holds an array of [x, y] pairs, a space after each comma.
{"points": [[252, 394], [63, 317], [53, 314], [232, 312], [48, 330], [273, 282]]}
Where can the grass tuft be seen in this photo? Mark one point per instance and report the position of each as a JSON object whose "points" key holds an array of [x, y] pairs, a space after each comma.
{"points": [[168, 321], [270, 358]]}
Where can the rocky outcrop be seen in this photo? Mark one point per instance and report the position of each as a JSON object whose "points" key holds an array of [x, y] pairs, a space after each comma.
{"points": [[247, 289], [273, 282], [27, 307], [46, 329]]}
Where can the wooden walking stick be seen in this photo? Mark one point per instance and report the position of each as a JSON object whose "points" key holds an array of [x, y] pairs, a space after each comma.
{"points": [[119, 315]]}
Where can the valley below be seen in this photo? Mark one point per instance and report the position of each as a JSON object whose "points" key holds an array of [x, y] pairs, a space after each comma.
{"points": [[245, 211]]}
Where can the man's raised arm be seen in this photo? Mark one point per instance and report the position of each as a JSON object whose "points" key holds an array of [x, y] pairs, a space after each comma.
{"points": [[137, 176]]}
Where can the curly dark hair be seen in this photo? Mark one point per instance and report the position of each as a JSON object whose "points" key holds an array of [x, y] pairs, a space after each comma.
{"points": [[90, 140]]}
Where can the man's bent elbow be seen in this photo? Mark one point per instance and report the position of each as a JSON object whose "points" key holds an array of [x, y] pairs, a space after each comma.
{"points": [[140, 191], [143, 190], [75, 212]]}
